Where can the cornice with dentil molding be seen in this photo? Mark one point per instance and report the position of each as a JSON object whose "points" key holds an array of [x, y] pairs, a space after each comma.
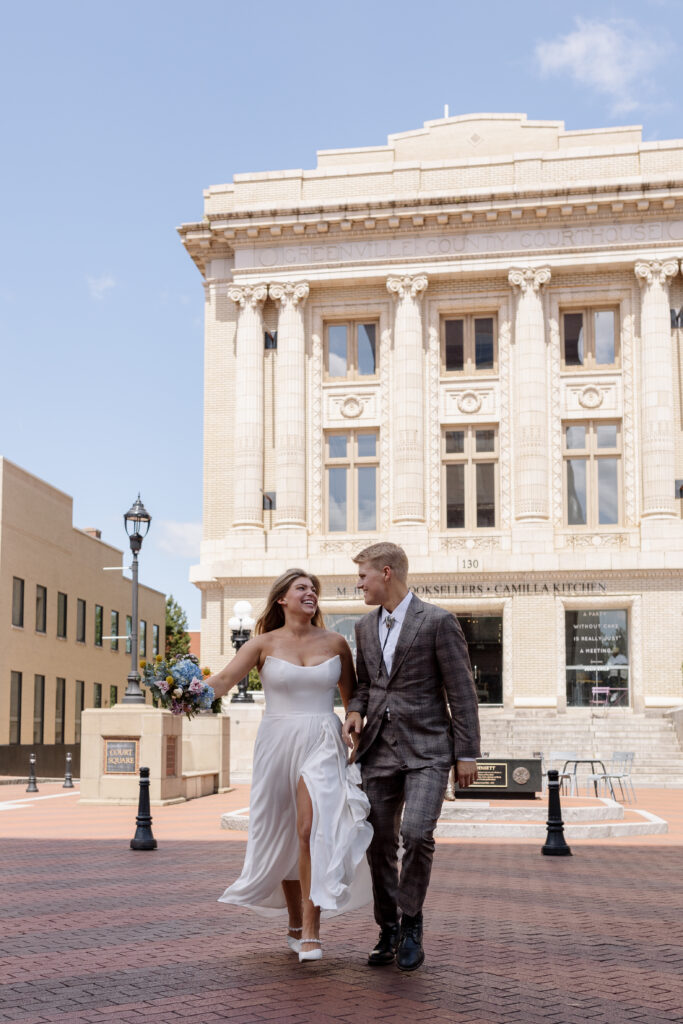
{"points": [[529, 278], [407, 286], [651, 272]]}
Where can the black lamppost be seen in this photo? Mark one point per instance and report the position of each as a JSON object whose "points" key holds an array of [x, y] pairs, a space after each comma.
{"points": [[241, 625], [137, 520]]}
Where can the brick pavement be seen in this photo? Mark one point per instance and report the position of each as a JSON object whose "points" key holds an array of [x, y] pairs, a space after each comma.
{"points": [[92, 931]]}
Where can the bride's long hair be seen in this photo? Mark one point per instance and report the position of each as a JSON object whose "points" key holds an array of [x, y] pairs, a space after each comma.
{"points": [[273, 616]]}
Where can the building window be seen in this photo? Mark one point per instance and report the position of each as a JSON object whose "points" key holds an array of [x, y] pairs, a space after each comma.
{"points": [[38, 708], [597, 662], [59, 710], [114, 630], [129, 634], [143, 639], [15, 707], [99, 618], [468, 345], [592, 456], [80, 704], [97, 695], [80, 620], [484, 636], [155, 640], [113, 696], [61, 616], [351, 469], [351, 350], [41, 609], [470, 477], [590, 338], [17, 601]]}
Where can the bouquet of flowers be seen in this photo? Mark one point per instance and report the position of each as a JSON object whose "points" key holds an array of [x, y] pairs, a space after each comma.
{"points": [[179, 686]]}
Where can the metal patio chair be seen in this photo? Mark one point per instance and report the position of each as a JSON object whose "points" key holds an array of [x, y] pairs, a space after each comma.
{"points": [[561, 757], [619, 772]]}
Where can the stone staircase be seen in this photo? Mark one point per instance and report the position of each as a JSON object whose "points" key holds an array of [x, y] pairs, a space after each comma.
{"points": [[658, 760]]}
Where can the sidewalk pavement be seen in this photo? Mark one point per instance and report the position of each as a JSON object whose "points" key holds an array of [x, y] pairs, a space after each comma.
{"points": [[92, 931]]}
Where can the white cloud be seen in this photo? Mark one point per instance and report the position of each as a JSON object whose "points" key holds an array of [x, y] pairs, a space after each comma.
{"points": [[99, 286], [179, 539], [613, 57]]}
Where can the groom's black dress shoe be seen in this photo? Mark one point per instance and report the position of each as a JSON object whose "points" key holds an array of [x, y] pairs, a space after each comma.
{"points": [[385, 950], [410, 953]]}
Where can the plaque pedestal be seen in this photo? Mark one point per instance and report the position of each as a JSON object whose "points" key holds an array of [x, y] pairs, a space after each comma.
{"points": [[116, 741]]}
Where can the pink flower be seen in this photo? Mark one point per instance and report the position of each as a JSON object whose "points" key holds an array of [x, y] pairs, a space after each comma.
{"points": [[196, 686]]}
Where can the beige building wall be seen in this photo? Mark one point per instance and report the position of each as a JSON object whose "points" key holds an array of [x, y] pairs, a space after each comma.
{"points": [[475, 215], [39, 545]]}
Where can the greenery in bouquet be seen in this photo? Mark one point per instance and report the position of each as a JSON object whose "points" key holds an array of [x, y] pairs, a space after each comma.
{"points": [[178, 685]]}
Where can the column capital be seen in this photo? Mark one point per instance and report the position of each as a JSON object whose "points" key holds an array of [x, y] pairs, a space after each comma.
{"points": [[655, 271], [529, 278], [407, 286], [289, 293], [247, 294]]}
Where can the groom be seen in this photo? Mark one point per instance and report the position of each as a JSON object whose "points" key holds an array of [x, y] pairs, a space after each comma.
{"points": [[412, 666]]}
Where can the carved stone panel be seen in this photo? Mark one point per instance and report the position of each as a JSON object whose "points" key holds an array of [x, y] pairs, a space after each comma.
{"points": [[469, 403], [592, 396], [350, 406]]}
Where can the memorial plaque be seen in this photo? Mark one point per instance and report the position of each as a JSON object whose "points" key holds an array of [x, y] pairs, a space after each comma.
{"points": [[492, 775], [120, 756], [508, 777]]}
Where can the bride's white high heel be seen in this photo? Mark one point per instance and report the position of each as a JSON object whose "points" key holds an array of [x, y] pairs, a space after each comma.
{"points": [[311, 954], [294, 944]]}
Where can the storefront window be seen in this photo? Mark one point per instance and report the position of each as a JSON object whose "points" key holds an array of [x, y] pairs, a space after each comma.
{"points": [[484, 636], [597, 668]]}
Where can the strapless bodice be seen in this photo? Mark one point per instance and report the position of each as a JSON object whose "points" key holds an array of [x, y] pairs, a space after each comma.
{"points": [[299, 689]]}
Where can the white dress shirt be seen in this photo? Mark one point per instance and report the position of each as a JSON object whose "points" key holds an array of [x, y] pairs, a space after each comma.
{"points": [[389, 638]]}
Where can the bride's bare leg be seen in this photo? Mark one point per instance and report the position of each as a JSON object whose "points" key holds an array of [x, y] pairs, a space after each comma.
{"points": [[304, 821], [292, 890]]}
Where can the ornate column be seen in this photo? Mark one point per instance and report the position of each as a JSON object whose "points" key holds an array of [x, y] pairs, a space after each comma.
{"points": [[248, 433], [657, 397], [530, 398], [407, 399], [290, 404]]}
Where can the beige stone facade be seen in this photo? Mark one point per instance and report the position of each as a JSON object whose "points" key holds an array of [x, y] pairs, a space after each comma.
{"points": [[475, 357], [58, 608]]}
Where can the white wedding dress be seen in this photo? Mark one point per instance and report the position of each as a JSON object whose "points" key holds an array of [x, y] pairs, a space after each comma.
{"points": [[300, 737]]}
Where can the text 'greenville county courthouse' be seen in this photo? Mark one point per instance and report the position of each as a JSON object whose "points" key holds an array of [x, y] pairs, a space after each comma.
{"points": [[467, 341]]}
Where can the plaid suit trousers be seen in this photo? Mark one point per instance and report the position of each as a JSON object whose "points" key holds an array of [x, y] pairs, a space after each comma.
{"points": [[418, 794]]}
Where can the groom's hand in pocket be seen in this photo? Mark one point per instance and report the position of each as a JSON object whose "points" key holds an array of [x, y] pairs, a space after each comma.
{"points": [[351, 729]]}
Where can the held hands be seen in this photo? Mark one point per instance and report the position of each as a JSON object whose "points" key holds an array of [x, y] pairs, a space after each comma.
{"points": [[351, 731], [466, 772]]}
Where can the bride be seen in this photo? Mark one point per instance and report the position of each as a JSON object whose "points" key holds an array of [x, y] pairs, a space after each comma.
{"points": [[308, 828]]}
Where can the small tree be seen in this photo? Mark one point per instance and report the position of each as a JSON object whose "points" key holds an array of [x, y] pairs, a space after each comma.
{"points": [[177, 637]]}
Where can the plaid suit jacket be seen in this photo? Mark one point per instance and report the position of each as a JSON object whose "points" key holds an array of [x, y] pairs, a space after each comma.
{"points": [[430, 677]]}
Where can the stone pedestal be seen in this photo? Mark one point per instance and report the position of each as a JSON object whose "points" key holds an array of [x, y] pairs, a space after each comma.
{"points": [[116, 741], [186, 759]]}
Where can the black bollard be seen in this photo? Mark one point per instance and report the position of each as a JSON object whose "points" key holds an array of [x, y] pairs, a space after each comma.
{"points": [[68, 779], [143, 838], [32, 788], [555, 843]]}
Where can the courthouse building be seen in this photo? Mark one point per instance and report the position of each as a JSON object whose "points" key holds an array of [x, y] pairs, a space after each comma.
{"points": [[61, 615], [467, 341]]}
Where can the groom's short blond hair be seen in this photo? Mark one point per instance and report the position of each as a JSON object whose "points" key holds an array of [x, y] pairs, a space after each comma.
{"points": [[385, 553]]}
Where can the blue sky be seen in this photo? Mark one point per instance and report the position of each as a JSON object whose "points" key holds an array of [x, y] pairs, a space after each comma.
{"points": [[116, 116]]}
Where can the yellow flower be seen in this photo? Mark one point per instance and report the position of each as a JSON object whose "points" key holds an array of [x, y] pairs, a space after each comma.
{"points": [[143, 664], [170, 679], [206, 671], [159, 657]]}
